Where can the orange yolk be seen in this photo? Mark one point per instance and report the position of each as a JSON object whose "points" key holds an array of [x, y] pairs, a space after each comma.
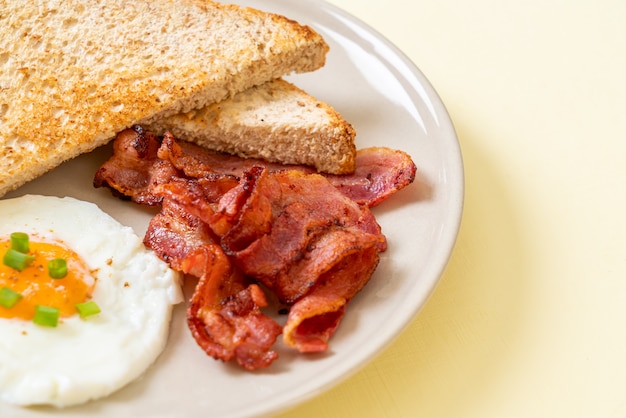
{"points": [[38, 288]]}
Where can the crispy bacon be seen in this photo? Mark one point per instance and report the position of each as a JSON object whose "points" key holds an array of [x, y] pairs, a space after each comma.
{"points": [[142, 161], [297, 235], [312, 246], [224, 314], [238, 223], [314, 318], [135, 168], [174, 234], [380, 172], [279, 230]]}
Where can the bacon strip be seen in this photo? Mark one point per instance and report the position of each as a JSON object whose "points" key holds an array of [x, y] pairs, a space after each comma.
{"points": [[314, 318], [228, 323], [282, 224], [380, 172], [224, 314], [142, 161], [315, 249], [309, 238], [135, 169]]}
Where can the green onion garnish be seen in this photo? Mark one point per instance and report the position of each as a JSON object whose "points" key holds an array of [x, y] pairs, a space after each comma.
{"points": [[17, 260], [57, 268], [46, 316], [19, 242], [87, 308], [8, 297]]}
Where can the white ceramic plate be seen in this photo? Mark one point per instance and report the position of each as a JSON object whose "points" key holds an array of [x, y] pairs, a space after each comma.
{"points": [[390, 103]]}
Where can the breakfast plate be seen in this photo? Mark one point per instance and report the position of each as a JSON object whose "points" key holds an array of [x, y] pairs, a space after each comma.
{"points": [[390, 103]]}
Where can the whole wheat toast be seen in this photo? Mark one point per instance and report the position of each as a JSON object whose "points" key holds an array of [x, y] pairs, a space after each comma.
{"points": [[74, 73], [275, 121]]}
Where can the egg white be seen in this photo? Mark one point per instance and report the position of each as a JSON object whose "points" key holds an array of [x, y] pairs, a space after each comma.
{"points": [[84, 359]]}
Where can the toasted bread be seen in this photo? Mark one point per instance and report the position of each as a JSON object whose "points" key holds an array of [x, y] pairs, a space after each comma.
{"points": [[74, 73], [275, 121]]}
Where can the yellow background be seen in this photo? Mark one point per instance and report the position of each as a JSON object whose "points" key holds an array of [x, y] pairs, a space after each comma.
{"points": [[529, 319]]}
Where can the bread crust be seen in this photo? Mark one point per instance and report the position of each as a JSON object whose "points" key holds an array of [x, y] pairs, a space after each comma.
{"points": [[74, 73], [275, 121]]}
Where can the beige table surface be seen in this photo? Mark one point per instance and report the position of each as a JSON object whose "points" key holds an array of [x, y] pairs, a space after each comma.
{"points": [[529, 319]]}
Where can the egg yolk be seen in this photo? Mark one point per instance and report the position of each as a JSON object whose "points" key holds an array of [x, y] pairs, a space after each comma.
{"points": [[38, 288]]}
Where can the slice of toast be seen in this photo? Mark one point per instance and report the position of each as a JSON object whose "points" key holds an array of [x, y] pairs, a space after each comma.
{"points": [[275, 121], [73, 73]]}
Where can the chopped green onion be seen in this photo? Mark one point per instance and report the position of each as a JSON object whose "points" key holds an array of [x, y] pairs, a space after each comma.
{"points": [[19, 242], [46, 316], [17, 260], [8, 297], [57, 268], [87, 308]]}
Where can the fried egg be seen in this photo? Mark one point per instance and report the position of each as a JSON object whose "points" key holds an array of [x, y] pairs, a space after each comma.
{"points": [[81, 358]]}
